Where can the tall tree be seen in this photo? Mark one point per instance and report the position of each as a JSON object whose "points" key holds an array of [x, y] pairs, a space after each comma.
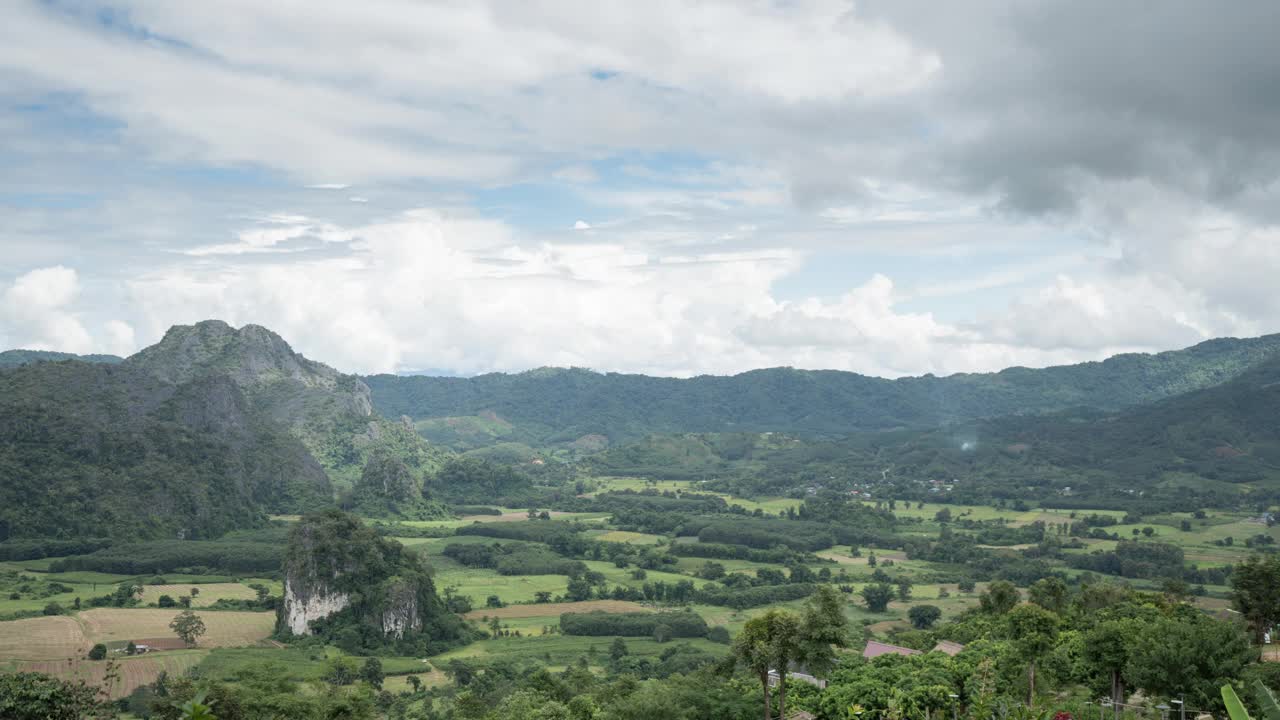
{"points": [[751, 649], [823, 628], [1001, 596], [1033, 630], [1255, 592]]}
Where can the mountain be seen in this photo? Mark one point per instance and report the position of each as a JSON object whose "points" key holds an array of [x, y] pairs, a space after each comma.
{"points": [[329, 412], [203, 432], [549, 406], [1218, 446], [16, 358], [98, 450]]}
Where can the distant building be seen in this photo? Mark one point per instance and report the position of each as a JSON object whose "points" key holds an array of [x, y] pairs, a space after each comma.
{"points": [[802, 677], [875, 649]]}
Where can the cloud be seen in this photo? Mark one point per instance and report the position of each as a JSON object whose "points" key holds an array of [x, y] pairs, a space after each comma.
{"points": [[581, 225], [37, 315], [357, 199], [328, 186]]}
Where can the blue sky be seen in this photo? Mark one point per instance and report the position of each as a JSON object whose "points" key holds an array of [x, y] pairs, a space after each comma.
{"points": [[672, 188]]}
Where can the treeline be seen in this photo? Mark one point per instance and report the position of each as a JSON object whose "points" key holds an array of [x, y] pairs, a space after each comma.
{"points": [[20, 549], [740, 598], [720, 551], [1137, 559], [197, 557], [636, 624], [518, 559]]}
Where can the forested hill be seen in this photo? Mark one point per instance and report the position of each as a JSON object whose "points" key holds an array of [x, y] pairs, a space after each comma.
{"points": [[204, 432], [96, 450], [16, 358], [1215, 447], [558, 405]]}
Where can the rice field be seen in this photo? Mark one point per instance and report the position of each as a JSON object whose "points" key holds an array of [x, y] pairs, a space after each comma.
{"points": [[555, 609], [43, 638]]}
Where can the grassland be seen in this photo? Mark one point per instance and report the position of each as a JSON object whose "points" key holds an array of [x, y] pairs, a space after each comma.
{"points": [[206, 594]]}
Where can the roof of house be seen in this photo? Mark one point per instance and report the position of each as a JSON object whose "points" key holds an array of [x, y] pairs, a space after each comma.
{"points": [[948, 647], [876, 649]]}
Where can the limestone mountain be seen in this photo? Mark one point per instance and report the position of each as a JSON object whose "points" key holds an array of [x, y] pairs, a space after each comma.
{"points": [[329, 412], [360, 591], [101, 450], [203, 432]]}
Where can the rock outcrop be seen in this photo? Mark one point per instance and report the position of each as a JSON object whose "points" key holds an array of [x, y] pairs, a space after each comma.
{"points": [[339, 574]]}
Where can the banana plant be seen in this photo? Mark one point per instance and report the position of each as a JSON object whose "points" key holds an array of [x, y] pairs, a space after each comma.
{"points": [[1266, 701], [1235, 708]]}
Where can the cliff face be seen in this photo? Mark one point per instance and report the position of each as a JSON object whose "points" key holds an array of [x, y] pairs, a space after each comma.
{"points": [[305, 603], [403, 613]]}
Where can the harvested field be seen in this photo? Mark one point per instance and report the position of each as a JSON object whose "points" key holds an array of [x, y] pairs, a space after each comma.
{"points": [[549, 609], [42, 638], [134, 671], [225, 629], [209, 594]]}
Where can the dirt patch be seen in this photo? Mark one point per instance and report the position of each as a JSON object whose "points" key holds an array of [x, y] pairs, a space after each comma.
{"points": [[548, 609]]}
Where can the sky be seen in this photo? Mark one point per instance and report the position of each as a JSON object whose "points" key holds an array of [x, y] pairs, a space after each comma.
{"points": [[891, 187]]}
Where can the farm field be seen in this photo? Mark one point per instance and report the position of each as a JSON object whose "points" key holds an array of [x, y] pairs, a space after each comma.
{"points": [[225, 629], [134, 672], [206, 594]]}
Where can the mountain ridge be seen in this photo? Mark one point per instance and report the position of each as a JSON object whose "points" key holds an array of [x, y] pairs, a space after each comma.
{"points": [[550, 405]]}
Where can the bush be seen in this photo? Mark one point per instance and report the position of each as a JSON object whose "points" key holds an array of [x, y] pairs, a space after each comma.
{"points": [[98, 652], [676, 624], [719, 634], [166, 601], [53, 608]]}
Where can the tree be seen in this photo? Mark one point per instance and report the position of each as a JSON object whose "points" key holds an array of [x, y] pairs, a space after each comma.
{"points": [[1185, 526], [1050, 593], [711, 571], [579, 589], [1189, 653], [618, 650], [823, 628], [877, 596], [36, 696], [1033, 630], [1255, 592], [166, 601], [53, 608], [751, 650], [904, 588], [340, 671], [131, 649], [195, 592], [185, 601], [542, 596], [1106, 652], [924, 616], [661, 633], [999, 598], [966, 586], [1148, 531], [188, 626], [416, 683], [943, 515], [871, 559], [371, 672], [98, 652]]}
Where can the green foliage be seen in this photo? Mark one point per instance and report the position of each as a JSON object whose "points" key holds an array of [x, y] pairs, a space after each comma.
{"points": [[1266, 701], [1255, 591], [35, 696], [923, 617], [638, 624], [877, 596], [553, 405], [98, 652], [188, 626], [191, 556], [1235, 708]]}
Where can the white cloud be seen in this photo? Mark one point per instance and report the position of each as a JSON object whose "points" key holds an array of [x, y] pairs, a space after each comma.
{"points": [[328, 186], [581, 225], [357, 199], [37, 313]]}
